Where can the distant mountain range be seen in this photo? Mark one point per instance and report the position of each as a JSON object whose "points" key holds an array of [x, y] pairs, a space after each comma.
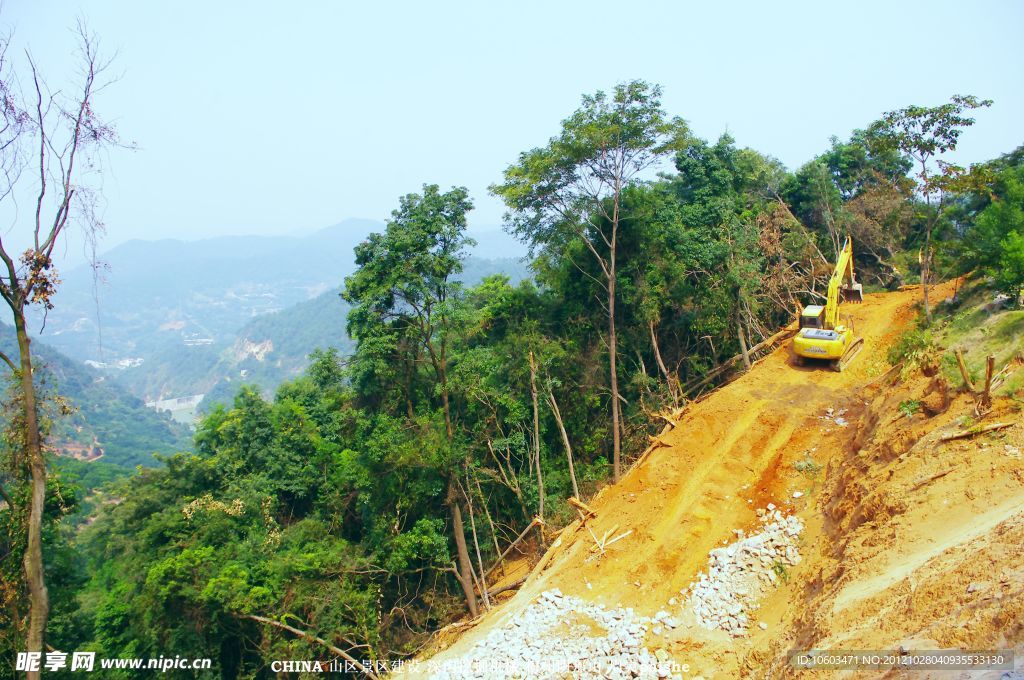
{"points": [[177, 322], [149, 295], [154, 295]]}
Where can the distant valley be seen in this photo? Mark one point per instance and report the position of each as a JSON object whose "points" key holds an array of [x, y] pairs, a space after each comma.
{"points": [[106, 422], [181, 325]]}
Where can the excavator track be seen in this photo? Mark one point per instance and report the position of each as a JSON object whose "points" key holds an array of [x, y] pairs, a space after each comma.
{"points": [[851, 353]]}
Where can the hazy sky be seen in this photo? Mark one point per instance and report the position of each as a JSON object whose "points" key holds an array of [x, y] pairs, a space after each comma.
{"points": [[273, 118]]}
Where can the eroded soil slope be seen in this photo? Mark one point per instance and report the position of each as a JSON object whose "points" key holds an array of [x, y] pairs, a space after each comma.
{"points": [[905, 540]]}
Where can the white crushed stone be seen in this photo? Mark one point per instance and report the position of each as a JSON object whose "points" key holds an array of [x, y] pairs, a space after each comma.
{"points": [[835, 416], [559, 636], [741, 573]]}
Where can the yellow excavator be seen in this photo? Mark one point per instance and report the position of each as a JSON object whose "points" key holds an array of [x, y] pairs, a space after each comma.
{"points": [[823, 335]]}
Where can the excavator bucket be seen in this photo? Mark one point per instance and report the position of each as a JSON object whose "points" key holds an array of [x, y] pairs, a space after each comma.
{"points": [[853, 292]]}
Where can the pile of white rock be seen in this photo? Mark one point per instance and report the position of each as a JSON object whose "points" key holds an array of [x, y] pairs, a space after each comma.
{"points": [[559, 636], [739, 574]]}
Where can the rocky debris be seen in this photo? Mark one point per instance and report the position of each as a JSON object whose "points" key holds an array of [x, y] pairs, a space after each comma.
{"points": [[835, 416], [560, 636], [739, 574]]}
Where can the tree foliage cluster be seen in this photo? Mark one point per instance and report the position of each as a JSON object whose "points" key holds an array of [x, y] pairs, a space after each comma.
{"points": [[366, 503]]}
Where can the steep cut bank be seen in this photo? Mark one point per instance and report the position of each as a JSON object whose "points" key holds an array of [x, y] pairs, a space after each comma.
{"points": [[902, 540], [924, 537]]}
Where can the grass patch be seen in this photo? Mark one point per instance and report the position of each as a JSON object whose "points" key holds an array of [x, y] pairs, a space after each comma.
{"points": [[808, 467], [781, 571], [979, 333]]}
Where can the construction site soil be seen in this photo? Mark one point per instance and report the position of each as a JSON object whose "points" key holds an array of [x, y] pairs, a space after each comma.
{"points": [[907, 541]]}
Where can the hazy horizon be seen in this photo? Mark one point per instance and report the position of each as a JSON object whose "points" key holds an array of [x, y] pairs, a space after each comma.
{"points": [[274, 120]]}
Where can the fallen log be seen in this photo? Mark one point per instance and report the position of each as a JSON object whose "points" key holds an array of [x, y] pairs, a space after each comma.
{"points": [[646, 452], [657, 440], [548, 556], [508, 586], [729, 363], [888, 374], [313, 638], [601, 544], [584, 509], [669, 421], [970, 432], [537, 521], [929, 479]]}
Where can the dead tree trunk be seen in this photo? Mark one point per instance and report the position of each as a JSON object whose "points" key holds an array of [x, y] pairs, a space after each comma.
{"points": [[926, 270], [536, 435], [476, 546], [565, 440], [743, 345], [983, 396], [612, 361], [985, 402], [673, 383], [487, 513], [963, 370]]}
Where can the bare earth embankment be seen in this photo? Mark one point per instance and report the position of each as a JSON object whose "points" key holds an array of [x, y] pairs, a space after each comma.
{"points": [[794, 508]]}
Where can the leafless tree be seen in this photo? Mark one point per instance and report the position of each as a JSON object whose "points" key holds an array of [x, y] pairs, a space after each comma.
{"points": [[49, 142]]}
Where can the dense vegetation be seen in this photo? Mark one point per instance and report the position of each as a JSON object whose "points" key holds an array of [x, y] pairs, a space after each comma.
{"points": [[103, 418], [365, 502]]}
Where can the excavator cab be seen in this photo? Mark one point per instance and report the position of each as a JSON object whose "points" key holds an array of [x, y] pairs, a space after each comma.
{"points": [[813, 316]]}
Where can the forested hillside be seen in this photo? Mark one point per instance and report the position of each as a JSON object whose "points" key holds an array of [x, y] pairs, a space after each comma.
{"points": [[102, 420], [146, 295], [365, 502], [173, 319], [275, 347]]}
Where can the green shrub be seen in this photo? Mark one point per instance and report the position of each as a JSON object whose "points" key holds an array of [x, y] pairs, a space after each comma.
{"points": [[912, 347], [909, 407]]}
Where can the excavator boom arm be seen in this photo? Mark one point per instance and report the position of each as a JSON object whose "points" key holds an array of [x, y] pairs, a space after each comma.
{"points": [[844, 268]]}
